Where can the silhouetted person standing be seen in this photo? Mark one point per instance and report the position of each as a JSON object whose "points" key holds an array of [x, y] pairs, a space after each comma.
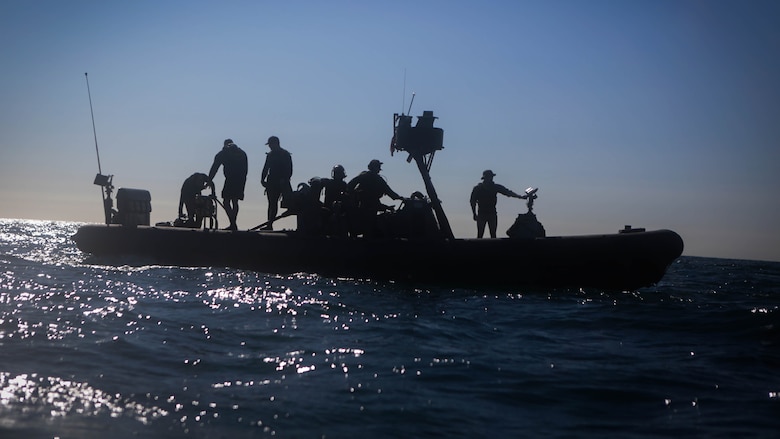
{"points": [[276, 175], [234, 165], [485, 196], [370, 187]]}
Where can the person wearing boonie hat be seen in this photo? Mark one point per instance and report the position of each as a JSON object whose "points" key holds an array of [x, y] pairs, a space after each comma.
{"points": [[483, 203]]}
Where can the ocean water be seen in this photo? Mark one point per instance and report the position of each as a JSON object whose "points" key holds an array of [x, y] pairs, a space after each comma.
{"points": [[92, 350]]}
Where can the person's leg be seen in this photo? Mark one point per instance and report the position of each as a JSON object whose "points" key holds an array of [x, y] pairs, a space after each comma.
{"points": [[234, 222], [230, 210], [480, 226], [273, 205], [192, 210], [492, 221]]}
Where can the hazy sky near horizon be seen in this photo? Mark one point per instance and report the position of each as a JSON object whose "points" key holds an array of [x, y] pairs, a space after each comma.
{"points": [[657, 113]]}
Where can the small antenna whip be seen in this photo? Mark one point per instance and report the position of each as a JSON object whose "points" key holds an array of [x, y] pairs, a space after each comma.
{"points": [[403, 97], [94, 131], [403, 101]]}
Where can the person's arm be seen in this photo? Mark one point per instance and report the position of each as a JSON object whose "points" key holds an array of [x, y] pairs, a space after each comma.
{"points": [[353, 183], [208, 184], [386, 188], [215, 166], [473, 201], [289, 166], [504, 191], [181, 204], [391, 193], [266, 168]]}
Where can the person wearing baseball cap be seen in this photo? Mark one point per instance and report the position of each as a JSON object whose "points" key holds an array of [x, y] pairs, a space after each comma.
{"points": [[234, 165], [275, 178]]}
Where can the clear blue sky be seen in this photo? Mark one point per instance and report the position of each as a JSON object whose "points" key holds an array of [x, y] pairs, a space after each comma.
{"points": [[658, 113]]}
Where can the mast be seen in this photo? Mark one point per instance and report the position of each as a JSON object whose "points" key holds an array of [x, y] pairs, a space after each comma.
{"points": [[104, 181], [444, 224], [421, 142]]}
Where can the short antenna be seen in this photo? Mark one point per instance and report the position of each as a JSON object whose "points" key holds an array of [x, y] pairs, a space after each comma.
{"points": [[403, 96]]}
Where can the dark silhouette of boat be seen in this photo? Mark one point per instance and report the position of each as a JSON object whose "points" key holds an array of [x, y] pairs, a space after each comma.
{"points": [[409, 252]]}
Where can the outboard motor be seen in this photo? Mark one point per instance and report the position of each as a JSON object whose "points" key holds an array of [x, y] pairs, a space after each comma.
{"points": [[526, 225], [134, 207]]}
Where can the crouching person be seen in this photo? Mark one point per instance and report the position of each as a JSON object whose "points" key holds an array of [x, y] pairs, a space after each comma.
{"points": [[193, 200]]}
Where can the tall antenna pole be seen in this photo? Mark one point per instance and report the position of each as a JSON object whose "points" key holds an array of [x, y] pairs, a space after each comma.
{"points": [[94, 131], [101, 180]]}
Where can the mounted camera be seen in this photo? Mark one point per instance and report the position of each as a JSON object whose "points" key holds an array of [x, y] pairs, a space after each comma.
{"points": [[531, 194]]}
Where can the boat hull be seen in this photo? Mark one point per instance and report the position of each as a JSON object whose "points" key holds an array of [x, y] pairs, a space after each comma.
{"points": [[623, 261]]}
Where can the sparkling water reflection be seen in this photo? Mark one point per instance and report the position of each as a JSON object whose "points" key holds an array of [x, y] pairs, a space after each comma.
{"points": [[96, 348], [56, 397]]}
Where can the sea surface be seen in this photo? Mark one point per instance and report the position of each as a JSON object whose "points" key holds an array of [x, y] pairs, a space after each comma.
{"points": [[119, 349]]}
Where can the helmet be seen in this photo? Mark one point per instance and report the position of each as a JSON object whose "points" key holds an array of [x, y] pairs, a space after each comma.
{"points": [[338, 172]]}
